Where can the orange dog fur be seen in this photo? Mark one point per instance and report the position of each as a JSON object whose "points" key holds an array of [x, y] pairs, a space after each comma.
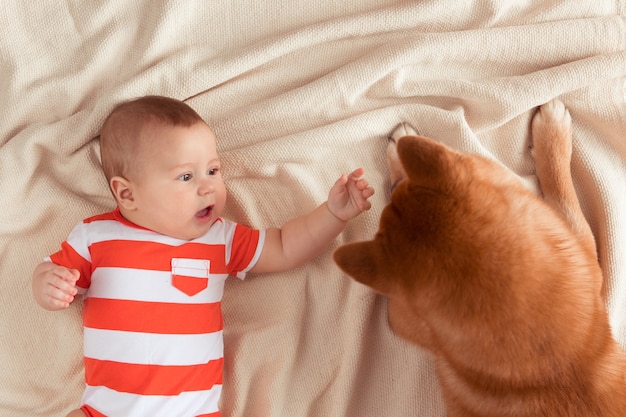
{"points": [[504, 288]]}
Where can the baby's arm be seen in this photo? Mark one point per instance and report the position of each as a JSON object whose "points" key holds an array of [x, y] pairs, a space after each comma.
{"points": [[302, 238], [54, 286]]}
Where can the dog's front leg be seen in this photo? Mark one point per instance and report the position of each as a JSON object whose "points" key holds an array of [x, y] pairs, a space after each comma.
{"points": [[552, 151]]}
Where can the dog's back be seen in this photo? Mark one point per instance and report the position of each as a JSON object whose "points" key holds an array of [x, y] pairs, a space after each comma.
{"points": [[513, 302]]}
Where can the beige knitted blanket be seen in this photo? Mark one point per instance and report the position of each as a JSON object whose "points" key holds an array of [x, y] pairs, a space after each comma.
{"points": [[297, 94]]}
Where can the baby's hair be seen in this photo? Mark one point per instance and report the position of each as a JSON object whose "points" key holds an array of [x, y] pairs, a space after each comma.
{"points": [[121, 132]]}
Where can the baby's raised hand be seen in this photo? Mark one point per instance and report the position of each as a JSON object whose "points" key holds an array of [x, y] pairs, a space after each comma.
{"points": [[349, 196], [54, 287]]}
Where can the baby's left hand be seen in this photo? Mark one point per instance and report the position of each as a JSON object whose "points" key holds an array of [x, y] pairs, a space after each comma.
{"points": [[349, 196]]}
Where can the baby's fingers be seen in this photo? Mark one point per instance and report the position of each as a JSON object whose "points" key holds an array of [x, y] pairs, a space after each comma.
{"points": [[62, 285], [362, 184], [68, 275], [57, 298], [356, 174]]}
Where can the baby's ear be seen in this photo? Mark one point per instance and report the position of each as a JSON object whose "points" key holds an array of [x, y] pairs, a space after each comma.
{"points": [[122, 191], [424, 159], [365, 262]]}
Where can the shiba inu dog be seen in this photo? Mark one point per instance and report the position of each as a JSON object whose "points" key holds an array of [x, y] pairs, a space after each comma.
{"points": [[502, 286]]}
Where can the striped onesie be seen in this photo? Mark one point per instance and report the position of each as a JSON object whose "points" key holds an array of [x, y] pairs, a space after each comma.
{"points": [[152, 314]]}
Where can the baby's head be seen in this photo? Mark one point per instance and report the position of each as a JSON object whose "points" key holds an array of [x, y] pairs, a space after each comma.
{"points": [[123, 138], [160, 159]]}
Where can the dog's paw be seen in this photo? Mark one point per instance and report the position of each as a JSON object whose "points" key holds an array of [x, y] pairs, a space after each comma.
{"points": [[552, 132], [553, 114], [396, 170], [402, 130]]}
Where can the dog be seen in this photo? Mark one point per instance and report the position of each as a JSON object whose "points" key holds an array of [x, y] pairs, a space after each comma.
{"points": [[503, 287]]}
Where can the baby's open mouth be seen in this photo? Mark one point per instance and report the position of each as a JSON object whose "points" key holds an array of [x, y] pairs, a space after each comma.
{"points": [[204, 212]]}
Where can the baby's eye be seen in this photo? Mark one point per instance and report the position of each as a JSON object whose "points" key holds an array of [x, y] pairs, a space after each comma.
{"points": [[185, 177], [213, 171]]}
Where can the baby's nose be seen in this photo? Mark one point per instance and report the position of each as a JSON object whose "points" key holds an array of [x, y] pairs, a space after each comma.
{"points": [[206, 187]]}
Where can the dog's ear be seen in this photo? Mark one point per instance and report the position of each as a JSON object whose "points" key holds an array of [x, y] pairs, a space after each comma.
{"points": [[365, 262], [424, 159]]}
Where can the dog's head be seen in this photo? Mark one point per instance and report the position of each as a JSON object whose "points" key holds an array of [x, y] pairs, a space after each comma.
{"points": [[437, 237]]}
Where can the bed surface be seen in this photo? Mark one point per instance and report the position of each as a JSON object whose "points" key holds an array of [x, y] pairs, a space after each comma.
{"points": [[296, 95]]}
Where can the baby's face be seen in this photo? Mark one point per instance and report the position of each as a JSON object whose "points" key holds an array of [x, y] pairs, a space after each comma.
{"points": [[178, 188]]}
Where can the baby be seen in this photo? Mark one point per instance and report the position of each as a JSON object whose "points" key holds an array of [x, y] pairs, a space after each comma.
{"points": [[152, 271]]}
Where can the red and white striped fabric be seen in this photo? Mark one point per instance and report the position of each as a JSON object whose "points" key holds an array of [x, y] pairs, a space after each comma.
{"points": [[152, 314]]}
